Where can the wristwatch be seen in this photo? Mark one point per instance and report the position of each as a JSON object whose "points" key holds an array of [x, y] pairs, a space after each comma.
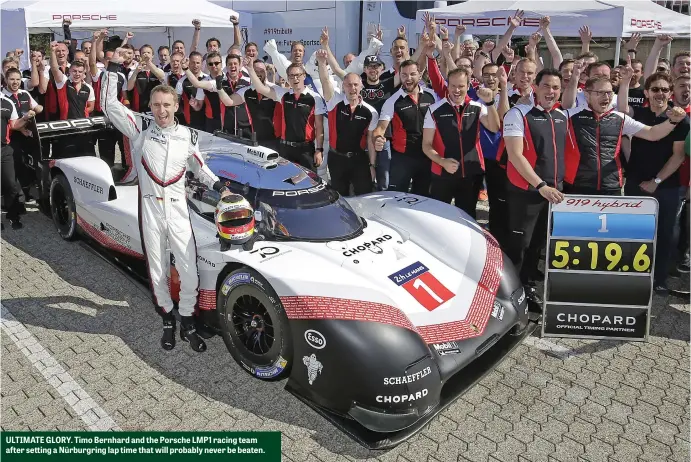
{"points": [[541, 185], [657, 180]]}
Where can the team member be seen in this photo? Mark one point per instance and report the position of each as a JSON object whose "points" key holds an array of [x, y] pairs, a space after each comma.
{"points": [[107, 140], [574, 96], [172, 77], [302, 122], [59, 53], [213, 109], [11, 189], [535, 138], [649, 158], [143, 79], [351, 121], [375, 92], [21, 144], [451, 139], [261, 109], [406, 110], [163, 152], [193, 111], [593, 164]]}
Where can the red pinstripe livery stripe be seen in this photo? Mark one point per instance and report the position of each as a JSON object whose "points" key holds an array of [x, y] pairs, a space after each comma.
{"points": [[105, 240], [309, 307], [157, 180]]}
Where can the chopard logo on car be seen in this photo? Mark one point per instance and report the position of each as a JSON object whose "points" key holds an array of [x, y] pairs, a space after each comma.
{"points": [[315, 339], [408, 378], [301, 191], [403, 398], [372, 246], [87, 185], [207, 261]]}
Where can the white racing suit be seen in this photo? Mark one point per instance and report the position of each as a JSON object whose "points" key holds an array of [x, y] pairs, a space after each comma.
{"points": [[161, 157]]}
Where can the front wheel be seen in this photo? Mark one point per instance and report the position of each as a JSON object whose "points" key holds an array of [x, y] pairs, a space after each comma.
{"points": [[62, 208], [254, 325]]}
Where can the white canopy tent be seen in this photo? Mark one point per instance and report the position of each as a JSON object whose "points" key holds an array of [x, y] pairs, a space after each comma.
{"points": [[156, 22], [606, 18]]}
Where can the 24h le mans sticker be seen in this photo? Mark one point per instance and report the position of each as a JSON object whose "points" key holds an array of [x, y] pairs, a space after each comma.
{"points": [[422, 285]]}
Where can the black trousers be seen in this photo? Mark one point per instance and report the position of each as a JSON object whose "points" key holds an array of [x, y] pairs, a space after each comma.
{"points": [[301, 155], [353, 170], [495, 177], [24, 167], [408, 168], [528, 213], [11, 189], [463, 191]]}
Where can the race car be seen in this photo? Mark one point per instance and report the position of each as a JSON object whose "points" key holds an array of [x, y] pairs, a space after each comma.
{"points": [[380, 310]]}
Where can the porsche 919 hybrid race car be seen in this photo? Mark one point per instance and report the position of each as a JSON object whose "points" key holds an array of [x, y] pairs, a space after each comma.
{"points": [[380, 310]]}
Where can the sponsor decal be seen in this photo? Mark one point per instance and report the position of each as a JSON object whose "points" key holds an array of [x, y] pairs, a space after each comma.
{"points": [[301, 191], [194, 136], [85, 17], [227, 174], [271, 371], [256, 281], [486, 22], [408, 378], [115, 234], [206, 261], [247, 368], [372, 246], [314, 367], [646, 23], [315, 339], [417, 280], [88, 185], [256, 152], [447, 348], [234, 280], [498, 311], [269, 252], [70, 124], [521, 298], [403, 398], [597, 319]]}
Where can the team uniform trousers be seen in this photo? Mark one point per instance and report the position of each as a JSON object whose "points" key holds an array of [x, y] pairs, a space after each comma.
{"points": [[11, 189], [350, 168], [406, 169], [299, 153], [495, 178], [463, 191], [528, 213]]}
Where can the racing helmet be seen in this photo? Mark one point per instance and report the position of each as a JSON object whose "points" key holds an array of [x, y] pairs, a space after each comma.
{"points": [[234, 218]]}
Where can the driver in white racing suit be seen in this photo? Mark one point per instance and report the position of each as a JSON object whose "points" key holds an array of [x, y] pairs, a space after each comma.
{"points": [[162, 154]]}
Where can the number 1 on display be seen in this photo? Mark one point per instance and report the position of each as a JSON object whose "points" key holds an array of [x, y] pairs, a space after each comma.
{"points": [[603, 220]]}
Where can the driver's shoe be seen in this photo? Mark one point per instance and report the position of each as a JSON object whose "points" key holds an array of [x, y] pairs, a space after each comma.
{"points": [[168, 337], [188, 333]]}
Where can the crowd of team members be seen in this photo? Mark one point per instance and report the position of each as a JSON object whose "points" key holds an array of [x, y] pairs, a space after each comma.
{"points": [[449, 122]]}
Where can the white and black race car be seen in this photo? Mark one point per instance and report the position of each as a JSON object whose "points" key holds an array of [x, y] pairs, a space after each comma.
{"points": [[380, 310]]}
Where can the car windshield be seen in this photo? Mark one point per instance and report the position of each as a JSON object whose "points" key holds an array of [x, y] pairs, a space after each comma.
{"points": [[315, 214]]}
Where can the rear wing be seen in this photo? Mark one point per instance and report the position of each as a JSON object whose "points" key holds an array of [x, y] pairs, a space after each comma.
{"points": [[47, 131]]}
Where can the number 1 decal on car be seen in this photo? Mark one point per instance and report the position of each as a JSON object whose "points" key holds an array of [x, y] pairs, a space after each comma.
{"points": [[422, 285]]}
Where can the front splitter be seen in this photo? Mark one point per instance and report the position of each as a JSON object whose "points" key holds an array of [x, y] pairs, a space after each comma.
{"points": [[453, 389]]}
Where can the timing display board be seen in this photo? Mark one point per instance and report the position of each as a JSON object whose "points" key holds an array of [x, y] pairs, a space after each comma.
{"points": [[599, 266]]}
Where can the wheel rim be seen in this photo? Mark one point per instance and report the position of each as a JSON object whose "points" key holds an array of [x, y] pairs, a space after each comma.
{"points": [[61, 207], [252, 325]]}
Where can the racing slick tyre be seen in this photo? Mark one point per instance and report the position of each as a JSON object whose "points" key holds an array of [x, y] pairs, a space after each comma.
{"points": [[62, 208], [254, 325]]}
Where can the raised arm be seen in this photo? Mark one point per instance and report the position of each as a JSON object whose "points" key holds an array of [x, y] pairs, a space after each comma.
{"points": [[489, 117], [237, 32], [586, 37], [96, 45], [624, 83], [505, 40], [120, 116], [197, 24], [333, 62], [230, 100], [279, 61], [552, 46], [68, 38], [654, 55], [258, 85], [54, 68], [568, 99], [327, 87], [357, 66]]}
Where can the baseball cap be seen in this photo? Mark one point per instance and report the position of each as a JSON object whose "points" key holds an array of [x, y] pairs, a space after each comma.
{"points": [[373, 59]]}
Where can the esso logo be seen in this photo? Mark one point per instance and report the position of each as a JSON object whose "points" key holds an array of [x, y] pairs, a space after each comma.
{"points": [[315, 339]]}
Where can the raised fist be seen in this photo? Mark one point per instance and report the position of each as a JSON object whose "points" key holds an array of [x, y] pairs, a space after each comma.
{"points": [[196, 23]]}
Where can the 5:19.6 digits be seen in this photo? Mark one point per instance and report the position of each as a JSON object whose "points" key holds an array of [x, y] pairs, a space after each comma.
{"points": [[585, 255]]}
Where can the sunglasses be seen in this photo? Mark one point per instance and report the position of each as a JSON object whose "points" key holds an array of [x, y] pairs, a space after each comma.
{"points": [[215, 63], [658, 89]]}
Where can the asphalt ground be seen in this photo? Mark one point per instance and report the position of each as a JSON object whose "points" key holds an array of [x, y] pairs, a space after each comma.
{"points": [[80, 351]]}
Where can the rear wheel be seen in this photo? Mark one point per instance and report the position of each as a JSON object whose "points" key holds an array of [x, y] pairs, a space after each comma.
{"points": [[62, 208], [254, 325]]}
